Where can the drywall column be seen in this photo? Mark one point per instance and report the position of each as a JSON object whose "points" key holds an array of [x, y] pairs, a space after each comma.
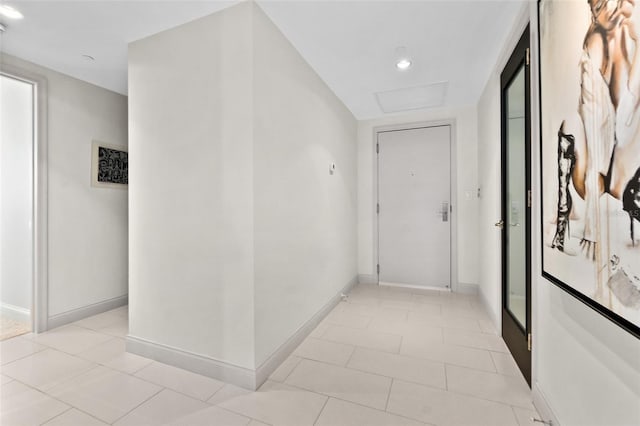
{"points": [[191, 195], [16, 192], [305, 215]]}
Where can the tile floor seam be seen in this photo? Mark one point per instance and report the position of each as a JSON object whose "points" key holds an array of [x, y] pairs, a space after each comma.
{"points": [[55, 398], [233, 412], [348, 368], [139, 405], [326, 401], [351, 356], [171, 389], [484, 399], [357, 403], [26, 356], [58, 415], [292, 370], [66, 380], [386, 405]]}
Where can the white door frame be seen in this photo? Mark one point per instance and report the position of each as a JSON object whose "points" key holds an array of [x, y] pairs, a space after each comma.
{"points": [[453, 273], [40, 285]]}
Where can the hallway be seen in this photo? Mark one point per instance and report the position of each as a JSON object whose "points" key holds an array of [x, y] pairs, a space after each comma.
{"points": [[385, 356]]}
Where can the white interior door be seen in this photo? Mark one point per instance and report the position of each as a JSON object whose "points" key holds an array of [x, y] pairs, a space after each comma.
{"points": [[414, 232]]}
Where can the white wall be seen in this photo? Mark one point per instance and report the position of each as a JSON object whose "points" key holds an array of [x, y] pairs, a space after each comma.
{"points": [[87, 226], [191, 188], [466, 177], [16, 192], [586, 370], [305, 218]]}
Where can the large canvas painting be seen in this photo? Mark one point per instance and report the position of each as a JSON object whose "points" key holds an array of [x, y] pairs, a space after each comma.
{"points": [[590, 118]]}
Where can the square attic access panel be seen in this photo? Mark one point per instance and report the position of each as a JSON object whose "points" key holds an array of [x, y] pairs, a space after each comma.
{"points": [[429, 96]]}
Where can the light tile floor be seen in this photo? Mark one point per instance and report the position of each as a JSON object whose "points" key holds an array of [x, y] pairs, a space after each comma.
{"points": [[385, 356]]}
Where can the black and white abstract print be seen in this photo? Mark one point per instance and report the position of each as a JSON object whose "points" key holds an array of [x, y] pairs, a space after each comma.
{"points": [[113, 166]]}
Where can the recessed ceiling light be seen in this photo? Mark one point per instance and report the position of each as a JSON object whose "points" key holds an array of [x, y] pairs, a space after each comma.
{"points": [[403, 64], [10, 12], [403, 61]]}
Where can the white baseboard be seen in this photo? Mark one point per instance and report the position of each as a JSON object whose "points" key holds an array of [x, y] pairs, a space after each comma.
{"points": [[367, 279], [541, 404], [467, 288], [269, 366], [86, 311], [239, 376], [200, 364], [15, 313]]}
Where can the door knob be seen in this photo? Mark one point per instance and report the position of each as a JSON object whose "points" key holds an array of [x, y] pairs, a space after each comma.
{"points": [[499, 224]]}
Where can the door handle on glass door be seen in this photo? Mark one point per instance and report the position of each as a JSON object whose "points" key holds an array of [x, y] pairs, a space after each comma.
{"points": [[499, 224], [445, 212]]}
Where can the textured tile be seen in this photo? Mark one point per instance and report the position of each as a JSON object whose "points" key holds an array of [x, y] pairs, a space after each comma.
{"points": [[399, 367], [112, 354], [407, 328], [347, 319], [103, 320], [46, 368], [285, 369], [351, 385], [278, 404], [437, 320], [450, 354], [445, 408], [320, 330], [16, 348], [364, 338], [486, 326], [505, 364], [376, 312], [74, 417], [475, 340], [343, 413], [172, 408], [70, 339], [104, 393], [325, 351], [226, 393], [186, 382], [22, 405], [116, 330], [491, 386]]}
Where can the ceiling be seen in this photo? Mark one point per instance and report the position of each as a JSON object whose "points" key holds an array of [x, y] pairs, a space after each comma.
{"points": [[351, 44]]}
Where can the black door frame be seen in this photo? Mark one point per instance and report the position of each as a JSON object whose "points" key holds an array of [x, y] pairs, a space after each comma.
{"points": [[517, 338]]}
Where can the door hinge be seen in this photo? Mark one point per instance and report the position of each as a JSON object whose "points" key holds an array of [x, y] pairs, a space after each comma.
{"points": [[377, 148], [528, 54], [529, 342], [529, 198], [378, 268], [378, 208]]}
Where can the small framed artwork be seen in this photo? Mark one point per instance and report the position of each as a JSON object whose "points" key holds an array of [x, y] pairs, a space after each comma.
{"points": [[109, 166], [590, 153]]}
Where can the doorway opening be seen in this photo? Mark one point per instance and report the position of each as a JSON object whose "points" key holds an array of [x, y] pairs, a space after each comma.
{"points": [[17, 137]]}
